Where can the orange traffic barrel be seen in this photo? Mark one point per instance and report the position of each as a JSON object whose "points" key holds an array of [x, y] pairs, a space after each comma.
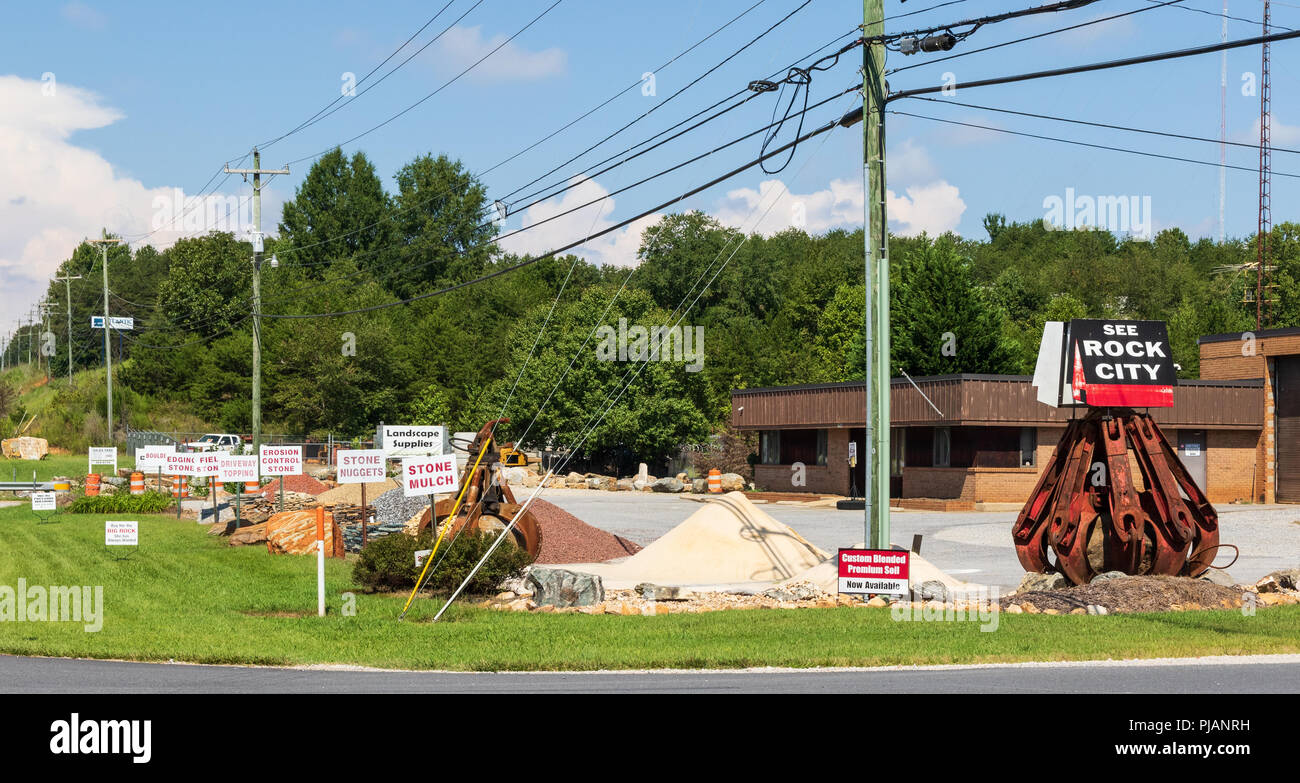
{"points": [[715, 480], [92, 485], [180, 487], [251, 487], [137, 483]]}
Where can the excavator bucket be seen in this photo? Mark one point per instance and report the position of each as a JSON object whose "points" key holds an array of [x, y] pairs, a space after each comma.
{"points": [[1087, 511]]}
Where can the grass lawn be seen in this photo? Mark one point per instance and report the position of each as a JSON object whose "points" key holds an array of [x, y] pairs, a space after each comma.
{"points": [[186, 596], [57, 465]]}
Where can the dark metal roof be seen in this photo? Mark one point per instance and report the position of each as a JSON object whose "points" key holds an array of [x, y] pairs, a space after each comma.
{"points": [[1290, 331]]}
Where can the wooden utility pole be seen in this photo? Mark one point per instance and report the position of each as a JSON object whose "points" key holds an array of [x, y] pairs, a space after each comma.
{"points": [[103, 243], [67, 285], [257, 171], [876, 238]]}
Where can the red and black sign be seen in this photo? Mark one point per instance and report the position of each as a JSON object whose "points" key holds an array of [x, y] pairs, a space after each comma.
{"points": [[1121, 363]]}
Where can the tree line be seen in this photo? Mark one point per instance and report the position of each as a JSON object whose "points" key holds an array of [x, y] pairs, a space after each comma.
{"points": [[783, 309]]}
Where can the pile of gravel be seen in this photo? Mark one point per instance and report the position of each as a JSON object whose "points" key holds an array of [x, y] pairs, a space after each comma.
{"points": [[392, 506]]}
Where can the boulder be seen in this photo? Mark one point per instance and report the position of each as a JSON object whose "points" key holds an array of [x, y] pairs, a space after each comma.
{"points": [[653, 592], [253, 534], [802, 590], [575, 481], [321, 472], [517, 475], [1279, 581], [1107, 576], [25, 448], [531, 480], [1036, 581], [682, 477], [667, 484], [733, 482], [116, 481], [625, 485], [294, 533], [1219, 577], [559, 587], [700, 486], [932, 590], [602, 482]]}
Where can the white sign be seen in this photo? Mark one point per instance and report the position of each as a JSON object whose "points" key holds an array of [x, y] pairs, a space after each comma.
{"points": [[183, 463], [420, 555], [237, 470], [102, 455], [43, 501], [150, 458], [121, 534], [428, 475], [873, 571], [207, 463], [415, 441], [96, 322], [281, 460], [360, 466]]}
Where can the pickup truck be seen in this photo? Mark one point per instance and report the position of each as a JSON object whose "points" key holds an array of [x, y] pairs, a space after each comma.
{"points": [[214, 442]]}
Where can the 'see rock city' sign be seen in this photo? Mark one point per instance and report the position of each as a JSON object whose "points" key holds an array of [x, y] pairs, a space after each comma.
{"points": [[1103, 363]]}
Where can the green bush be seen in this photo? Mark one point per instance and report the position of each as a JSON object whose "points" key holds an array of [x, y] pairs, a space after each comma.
{"points": [[121, 503], [388, 563]]}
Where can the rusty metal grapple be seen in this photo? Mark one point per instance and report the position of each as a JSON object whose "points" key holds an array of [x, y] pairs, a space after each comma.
{"points": [[489, 505], [1088, 515]]}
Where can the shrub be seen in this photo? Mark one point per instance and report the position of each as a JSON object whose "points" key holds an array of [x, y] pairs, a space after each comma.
{"points": [[121, 503], [388, 563]]}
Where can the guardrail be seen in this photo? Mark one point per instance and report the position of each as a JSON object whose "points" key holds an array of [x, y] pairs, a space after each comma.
{"points": [[34, 486]]}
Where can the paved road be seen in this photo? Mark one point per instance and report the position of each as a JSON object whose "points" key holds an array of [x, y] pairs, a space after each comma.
{"points": [[1264, 674], [973, 546]]}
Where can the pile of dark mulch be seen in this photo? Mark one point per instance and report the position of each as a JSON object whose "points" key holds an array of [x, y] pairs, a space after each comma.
{"points": [[567, 539], [1133, 594]]}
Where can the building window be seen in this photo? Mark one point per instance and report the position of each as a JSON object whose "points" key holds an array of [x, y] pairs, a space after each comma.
{"points": [[1028, 446], [822, 437], [942, 446], [770, 447]]}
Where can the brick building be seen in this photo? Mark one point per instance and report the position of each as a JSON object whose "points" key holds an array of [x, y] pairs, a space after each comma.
{"points": [[982, 439], [1273, 356]]}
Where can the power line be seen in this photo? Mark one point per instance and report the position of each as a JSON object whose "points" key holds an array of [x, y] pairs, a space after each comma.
{"points": [[552, 253], [1084, 143], [1221, 15], [1102, 124], [440, 88]]}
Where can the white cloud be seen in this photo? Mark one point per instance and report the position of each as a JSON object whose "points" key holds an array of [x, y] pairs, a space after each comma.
{"points": [[770, 209], [53, 193], [909, 162], [83, 15], [1093, 32], [461, 47], [933, 208], [1280, 134], [617, 248]]}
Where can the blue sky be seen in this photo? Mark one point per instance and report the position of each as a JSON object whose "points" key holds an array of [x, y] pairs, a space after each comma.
{"points": [[151, 96]]}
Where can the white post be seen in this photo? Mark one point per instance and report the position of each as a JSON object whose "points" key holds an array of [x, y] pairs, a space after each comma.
{"points": [[320, 562]]}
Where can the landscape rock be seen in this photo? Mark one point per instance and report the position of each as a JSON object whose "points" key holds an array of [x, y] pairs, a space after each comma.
{"points": [[559, 587], [253, 534], [625, 485], [115, 481], [700, 486], [1032, 581], [877, 602], [1107, 576], [516, 475], [733, 482], [667, 484], [294, 533], [25, 448], [1014, 609], [682, 477], [1279, 581], [321, 472], [652, 592], [933, 590], [1219, 577], [602, 482], [531, 480], [794, 591], [1097, 609]]}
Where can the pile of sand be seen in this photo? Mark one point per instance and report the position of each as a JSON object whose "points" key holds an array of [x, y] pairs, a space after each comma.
{"points": [[728, 541], [351, 493]]}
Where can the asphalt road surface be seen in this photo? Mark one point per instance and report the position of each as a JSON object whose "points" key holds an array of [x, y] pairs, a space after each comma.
{"points": [[974, 546], [1259, 674]]}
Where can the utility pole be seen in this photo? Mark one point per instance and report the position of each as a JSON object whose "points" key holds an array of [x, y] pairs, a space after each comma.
{"points": [[103, 243], [67, 284], [257, 171], [876, 238]]}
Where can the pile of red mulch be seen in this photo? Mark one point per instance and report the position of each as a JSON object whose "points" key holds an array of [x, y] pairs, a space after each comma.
{"points": [[567, 539], [301, 483]]}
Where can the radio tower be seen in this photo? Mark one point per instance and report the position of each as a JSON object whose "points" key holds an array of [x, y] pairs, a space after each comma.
{"points": [[1223, 130], [1265, 185]]}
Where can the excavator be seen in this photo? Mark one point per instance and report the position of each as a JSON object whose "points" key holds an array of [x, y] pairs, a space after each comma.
{"points": [[488, 506]]}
